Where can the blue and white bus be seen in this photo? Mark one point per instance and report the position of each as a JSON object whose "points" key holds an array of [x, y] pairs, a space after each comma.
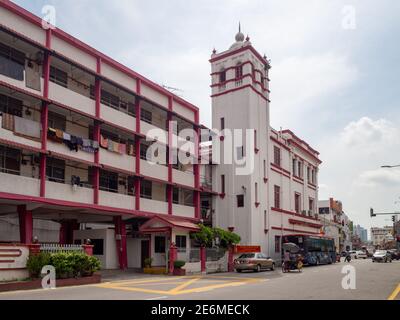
{"points": [[315, 250]]}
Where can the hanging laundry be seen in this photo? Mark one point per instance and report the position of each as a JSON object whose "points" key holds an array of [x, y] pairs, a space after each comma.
{"points": [[8, 121], [122, 148], [131, 150], [66, 136], [95, 145], [116, 147], [103, 142], [86, 143], [59, 134], [111, 145]]}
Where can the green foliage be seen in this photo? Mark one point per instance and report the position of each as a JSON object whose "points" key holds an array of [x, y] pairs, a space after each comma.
{"points": [[35, 263], [179, 264], [73, 264], [207, 235], [226, 238], [148, 262]]}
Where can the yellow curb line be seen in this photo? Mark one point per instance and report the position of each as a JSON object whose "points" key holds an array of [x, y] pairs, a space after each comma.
{"points": [[395, 293]]}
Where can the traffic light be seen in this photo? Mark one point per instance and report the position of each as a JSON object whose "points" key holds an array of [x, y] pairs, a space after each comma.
{"points": [[394, 218], [372, 213]]}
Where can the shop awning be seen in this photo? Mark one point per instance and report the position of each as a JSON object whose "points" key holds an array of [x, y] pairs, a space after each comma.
{"points": [[163, 224]]}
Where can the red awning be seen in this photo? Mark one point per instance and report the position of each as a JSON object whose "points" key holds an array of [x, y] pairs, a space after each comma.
{"points": [[162, 224]]}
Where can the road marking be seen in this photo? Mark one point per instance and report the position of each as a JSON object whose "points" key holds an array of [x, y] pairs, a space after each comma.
{"points": [[184, 285], [158, 298], [395, 293], [182, 288]]}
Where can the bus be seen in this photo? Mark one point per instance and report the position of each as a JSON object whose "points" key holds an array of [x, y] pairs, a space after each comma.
{"points": [[315, 250]]}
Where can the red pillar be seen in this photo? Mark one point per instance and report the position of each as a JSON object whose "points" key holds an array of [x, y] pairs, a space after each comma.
{"points": [[138, 111], [45, 114], [169, 156], [203, 258], [196, 167], [96, 132], [120, 234], [25, 225], [173, 253]]}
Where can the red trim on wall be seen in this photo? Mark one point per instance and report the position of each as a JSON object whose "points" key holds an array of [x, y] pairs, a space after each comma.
{"points": [[227, 54], [280, 172], [239, 88], [304, 223], [304, 150], [91, 51], [293, 230], [293, 213]]}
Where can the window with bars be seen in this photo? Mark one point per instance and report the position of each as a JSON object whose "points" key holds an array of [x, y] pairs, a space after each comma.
{"points": [[146, 116], [277, 156], [297, 202], [58, 76], [181, 242], [108, 181], [146, 189], [12, 62], [11, 105], [277, 197], [10, 160], [55, 170], [277, 244], [239, 71], [57, 121]]}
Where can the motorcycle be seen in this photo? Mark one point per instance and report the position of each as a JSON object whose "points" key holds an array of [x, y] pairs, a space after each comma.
{"points": [[348, 258], [295, 264]]}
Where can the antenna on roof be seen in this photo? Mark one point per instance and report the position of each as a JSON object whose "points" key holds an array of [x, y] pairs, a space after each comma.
{"points": [[172, 89]]}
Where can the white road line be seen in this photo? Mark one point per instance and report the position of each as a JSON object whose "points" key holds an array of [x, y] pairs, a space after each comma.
{"points": [[158, 298]]}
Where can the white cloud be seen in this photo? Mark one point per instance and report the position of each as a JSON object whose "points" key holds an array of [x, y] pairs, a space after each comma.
{"points": [[379, 178], [300, 80], [366, 131]]}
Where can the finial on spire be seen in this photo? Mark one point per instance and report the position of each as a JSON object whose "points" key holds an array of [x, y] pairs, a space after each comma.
{"points": [[239, 36]]}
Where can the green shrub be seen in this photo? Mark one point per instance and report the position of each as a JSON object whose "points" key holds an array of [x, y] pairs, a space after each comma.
{"points": [[179, 264], [63, 263], [148, 262], [35, 263], [90, 265]]}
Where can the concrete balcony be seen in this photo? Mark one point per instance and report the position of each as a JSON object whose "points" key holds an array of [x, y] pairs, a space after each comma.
{"points": [[9, 135], [185, 178], [22, 84], [71, 98], [66, 192], [117, 117], [153, 206], [116, 160], [153, 170], [116, 200], [183, 211], [27, 186], [63, 149], [146, 127]]}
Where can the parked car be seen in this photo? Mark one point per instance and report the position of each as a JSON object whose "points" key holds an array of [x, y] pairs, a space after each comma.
{"points": [[395, 254], [254, 261], [382, 256], [361, 255]]}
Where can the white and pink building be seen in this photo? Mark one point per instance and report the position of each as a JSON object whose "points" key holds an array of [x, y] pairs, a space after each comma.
{"points": [[76, 127]]}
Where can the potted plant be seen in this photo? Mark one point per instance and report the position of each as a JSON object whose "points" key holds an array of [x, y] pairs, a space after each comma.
{"points": [[178, 271]]}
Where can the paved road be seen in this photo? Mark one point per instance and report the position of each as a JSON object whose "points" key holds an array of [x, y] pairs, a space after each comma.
{"points": [[373, 281]]}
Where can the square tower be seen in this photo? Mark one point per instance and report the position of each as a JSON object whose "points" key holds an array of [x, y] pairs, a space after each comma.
{"points": [[240, 101]]}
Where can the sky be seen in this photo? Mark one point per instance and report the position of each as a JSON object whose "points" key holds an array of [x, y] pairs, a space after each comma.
{"points": [[334, 77]]}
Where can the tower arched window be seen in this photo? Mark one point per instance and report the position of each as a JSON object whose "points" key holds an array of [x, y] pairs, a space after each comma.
{"points": [[239, 71], [222, 76]]}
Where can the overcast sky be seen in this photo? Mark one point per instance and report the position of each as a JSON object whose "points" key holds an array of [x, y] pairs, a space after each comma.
{"points": [[335, 82]]}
